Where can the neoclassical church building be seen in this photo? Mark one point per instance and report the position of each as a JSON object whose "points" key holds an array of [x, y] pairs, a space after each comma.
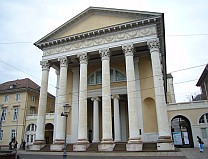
{"points": [[111, 72]]}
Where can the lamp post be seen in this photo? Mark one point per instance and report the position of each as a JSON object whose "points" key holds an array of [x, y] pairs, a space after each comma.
{"points": [[65, 114]]}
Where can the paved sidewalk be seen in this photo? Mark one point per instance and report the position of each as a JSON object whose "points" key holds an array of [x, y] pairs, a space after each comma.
{"points": [[193, 153], [190, 153]]}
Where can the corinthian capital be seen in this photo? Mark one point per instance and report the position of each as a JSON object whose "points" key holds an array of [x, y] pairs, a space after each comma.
{"points": [[128, 50], [63, 61], [105, 54], [153, 44], [82, 58], [45, 65]]}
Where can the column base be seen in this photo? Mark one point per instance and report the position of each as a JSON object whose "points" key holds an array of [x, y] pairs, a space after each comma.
{"points": [[106, 145], [37, 145], [165, 143], [81, 145], [57, 145], [134, 144]]}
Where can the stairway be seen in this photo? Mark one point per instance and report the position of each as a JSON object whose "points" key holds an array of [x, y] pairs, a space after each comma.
{"points": [[69, 147], [149, 146], [45, 148], [120, 147], [93, 147]]}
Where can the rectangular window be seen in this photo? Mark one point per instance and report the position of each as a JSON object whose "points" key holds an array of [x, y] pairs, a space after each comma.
{"points": [[6, 98], [31, 138], [17, 97], [33, 98], [13, 135], [98, 77], [3, 117], [1, 135], [204, 133], [28, 138], [15, 113]]}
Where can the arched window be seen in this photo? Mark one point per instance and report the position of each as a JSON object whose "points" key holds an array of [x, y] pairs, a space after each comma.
{"points": [[30, 133], [96, 77], [204, 119]]}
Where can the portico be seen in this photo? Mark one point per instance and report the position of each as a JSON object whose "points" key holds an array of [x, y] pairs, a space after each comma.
{"points": [[101, 74]]}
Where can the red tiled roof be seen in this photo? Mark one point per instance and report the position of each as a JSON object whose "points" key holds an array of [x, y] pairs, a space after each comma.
{"points": [[20, 83]]}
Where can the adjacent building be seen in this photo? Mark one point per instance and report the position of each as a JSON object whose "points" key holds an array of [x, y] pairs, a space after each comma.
{"points": [[19, 106]]}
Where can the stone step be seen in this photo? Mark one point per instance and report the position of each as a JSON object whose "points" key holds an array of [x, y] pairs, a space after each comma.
{"points": [[151, 146], [46, 148], [69, 147], [93, 147], [120, 147]]}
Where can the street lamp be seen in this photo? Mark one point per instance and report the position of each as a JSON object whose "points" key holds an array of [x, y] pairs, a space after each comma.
{"points": [[65, 113]]}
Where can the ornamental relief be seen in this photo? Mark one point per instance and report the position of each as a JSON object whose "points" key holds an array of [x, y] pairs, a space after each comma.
{"points": [[102, 40]]}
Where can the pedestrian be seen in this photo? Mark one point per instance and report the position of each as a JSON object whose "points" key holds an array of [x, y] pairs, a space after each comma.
{"points": [[201, 144], [15, 145], [23, 145], [10, 145]]}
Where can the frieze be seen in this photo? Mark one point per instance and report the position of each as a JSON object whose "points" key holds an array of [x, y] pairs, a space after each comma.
{"points": [[105, 39]]}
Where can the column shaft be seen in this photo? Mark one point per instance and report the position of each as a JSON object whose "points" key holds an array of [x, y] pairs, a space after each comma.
{"points": [[131, 93], [82, 124], [106, 97], [95, 119], [56, 103], [75, 104], [42, 103], [161, 108], [117, 126], [60, 127]]}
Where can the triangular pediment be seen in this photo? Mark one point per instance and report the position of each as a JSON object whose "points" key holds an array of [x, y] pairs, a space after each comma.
{"points": [[95, 18]]}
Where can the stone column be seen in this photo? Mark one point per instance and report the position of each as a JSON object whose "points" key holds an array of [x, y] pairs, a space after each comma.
{"points": [[40, 140], [138, 92], [75, 104], [107, 140], [164, 141], [117, 126], [134, 143], [60, 127], [56, 103], [95, 119], [82, 142]]}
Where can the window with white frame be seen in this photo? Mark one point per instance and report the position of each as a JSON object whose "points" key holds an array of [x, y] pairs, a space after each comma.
{"points": [[1, 134], [3, 114], [17, 97], [15, 113], [6, 98], [13, 134], [204, 133], [115, 76], [30, 133]]}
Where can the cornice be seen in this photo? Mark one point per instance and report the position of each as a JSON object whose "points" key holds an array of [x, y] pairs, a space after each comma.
{"points": [[97, 32], [103, 39]]}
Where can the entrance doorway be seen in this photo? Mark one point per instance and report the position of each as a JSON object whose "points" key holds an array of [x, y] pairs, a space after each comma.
{"points": [[49, 133], [181, 132]]}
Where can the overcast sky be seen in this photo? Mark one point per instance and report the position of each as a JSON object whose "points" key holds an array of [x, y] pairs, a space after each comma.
{"points": [[23, 22]]}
